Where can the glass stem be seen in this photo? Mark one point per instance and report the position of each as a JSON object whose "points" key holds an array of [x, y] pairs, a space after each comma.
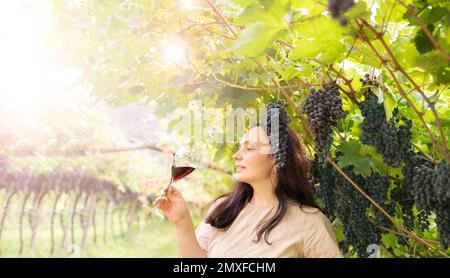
{"points": [[171, 173], [171, 181]]}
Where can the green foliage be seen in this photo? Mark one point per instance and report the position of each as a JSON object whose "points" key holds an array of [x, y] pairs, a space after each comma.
{"points": [[122, 55], [363, 158]]}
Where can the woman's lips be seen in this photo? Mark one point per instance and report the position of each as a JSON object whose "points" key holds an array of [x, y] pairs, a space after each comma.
{"points": [[239, 168]]}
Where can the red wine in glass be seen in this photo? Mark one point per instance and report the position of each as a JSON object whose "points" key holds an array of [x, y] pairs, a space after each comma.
{"points": [[185, 161], [179, 172]]}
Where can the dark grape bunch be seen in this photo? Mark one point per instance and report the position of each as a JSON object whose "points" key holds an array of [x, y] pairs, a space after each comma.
{"points": [[403, 193], [340, 199], [389, 138], [323, 108], [377, 187], [431, 190], [325, 180], [338, 7], [367, 80], [422, 219], [423, 189], [352, 210], [277, 112]]}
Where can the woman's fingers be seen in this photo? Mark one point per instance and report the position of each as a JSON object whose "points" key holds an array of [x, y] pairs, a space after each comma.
{"points": [[173, 192], [159, 202], [165, 199], [165, 191], [162, 203]]}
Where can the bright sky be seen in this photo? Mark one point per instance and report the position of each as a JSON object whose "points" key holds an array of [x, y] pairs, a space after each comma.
{"points": [[27, 75]]}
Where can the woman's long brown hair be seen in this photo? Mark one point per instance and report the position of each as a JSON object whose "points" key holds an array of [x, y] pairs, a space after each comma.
{"points": [[293, 183]]}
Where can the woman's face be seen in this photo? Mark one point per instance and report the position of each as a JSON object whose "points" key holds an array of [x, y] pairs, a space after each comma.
{"points": [[253, 160]]}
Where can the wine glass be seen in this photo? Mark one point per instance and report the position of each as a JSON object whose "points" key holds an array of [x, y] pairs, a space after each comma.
{"points": [[184, 162]]}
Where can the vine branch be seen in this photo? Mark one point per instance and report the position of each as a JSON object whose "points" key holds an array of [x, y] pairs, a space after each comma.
{"points": [[347, 81], [107, 150], [360, 21], [224, 20], [427, 32], [300, 115], [400, 228], [384, 61]]}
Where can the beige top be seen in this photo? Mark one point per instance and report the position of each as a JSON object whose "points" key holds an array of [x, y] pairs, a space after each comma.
{"points": [[299, 234]]}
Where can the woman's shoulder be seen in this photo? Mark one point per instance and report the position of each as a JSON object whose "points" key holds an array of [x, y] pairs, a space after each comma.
{"points": [[302, 213], [302, 207]]}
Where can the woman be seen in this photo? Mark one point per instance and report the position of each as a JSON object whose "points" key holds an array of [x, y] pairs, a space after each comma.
{"points": [[269, 213]]}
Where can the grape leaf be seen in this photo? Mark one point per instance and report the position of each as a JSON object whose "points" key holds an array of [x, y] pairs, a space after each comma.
{"points": [[253, 79], [389, 240], [312, 40], [271, 13], [422, 42], [434, 14], [313, 7], [389, 104], [352, 154], [185, 77], [255, 39]]}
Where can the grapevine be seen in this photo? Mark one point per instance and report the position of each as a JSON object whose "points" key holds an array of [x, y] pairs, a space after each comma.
{"points": [[323, 108], [277, 114]]}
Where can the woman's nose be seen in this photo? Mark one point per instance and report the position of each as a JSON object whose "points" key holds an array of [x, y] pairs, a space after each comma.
{"points": [[237, 156]]}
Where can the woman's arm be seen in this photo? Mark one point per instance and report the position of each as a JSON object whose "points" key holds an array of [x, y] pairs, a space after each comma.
{"points": [[174, 207], [188, 246]]}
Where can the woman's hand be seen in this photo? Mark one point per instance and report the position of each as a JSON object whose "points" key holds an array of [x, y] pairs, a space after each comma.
{"points": [[172, 204]]}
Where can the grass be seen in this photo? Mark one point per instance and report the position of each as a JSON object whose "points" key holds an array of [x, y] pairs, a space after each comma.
{"points": [[154, 239]]}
